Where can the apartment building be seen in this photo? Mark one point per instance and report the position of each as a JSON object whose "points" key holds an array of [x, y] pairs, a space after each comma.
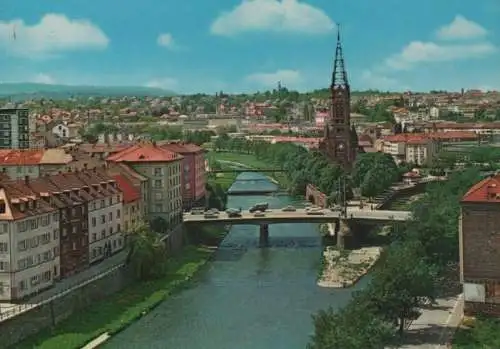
{"points": [[132, 212], [193, 172], [162, 168], [480, 248], [14, 128], [29, 242], [416, 149], [139, 183], [17, 164], [104, 214]]}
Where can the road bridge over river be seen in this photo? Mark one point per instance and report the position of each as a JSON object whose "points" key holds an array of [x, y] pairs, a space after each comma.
{"points": [[278, 216]]}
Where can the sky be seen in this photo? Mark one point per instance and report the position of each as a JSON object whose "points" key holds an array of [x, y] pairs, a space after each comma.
{"points": [[249, 45]]}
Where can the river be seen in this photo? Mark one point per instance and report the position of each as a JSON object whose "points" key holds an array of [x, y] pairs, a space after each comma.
{"points": [[248, 297]]}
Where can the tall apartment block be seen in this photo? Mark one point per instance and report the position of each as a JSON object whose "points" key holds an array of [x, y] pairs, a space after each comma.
{"points": [[14, 128]]}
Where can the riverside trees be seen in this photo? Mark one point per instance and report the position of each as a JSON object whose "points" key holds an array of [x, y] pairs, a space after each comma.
{"points": [[408, 273]]}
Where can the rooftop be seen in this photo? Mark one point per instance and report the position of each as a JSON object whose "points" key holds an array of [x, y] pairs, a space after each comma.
{"points": [[485, 191], [144, 152]]}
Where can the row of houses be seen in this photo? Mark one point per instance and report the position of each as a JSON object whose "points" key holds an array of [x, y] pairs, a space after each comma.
{"points": [[56, 220]]}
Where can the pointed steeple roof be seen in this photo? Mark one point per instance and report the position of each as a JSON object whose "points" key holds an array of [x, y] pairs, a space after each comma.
{"points": [[339, 75]]}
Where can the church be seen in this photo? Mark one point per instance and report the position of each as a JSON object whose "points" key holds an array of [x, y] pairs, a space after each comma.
{"points": [[340, 141]]}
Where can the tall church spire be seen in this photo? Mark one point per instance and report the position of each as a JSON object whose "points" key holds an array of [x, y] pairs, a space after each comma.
{"points": [[339, 75]]}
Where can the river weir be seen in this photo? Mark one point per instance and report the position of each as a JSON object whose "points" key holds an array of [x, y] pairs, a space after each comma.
{"points": [[248, 297]]}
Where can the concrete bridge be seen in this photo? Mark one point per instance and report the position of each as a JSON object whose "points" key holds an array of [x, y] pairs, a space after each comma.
{"points": [[276, 216]]}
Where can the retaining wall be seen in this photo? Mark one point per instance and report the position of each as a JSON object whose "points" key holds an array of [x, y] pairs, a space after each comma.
{"points": [[51, 312]]}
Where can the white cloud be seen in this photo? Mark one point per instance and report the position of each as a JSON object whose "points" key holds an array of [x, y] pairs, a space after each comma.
{"points": [[424, 52], [378, 81], [286, 77], [166, 83], [54, 33], [43, 79], [166, 40], [273, 16], [461, 28]]}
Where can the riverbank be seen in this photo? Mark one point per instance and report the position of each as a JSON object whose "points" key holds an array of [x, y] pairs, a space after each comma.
{"points": [[343, 268], [117, 312], [244, 160]]}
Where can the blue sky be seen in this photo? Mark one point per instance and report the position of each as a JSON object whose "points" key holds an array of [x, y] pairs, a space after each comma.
{"points": [[239, 46]]}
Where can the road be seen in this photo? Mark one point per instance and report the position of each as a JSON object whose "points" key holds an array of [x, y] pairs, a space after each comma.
{"points": [[300, 215], [8, 310]]}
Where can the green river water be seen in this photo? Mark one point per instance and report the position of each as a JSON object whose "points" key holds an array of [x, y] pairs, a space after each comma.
{"points": [[248, 297]]}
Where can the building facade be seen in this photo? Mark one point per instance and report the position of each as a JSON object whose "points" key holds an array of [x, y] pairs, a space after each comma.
{"points": [[162, 168], [14, 128], [29, 242], [480, 248], [132, 211], [17, 164], [193, 177]]}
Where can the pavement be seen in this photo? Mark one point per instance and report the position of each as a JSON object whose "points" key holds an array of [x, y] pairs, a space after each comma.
{"points": [[61, 287], [435, 327]]}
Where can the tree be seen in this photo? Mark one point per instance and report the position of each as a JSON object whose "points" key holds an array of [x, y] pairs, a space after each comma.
{"points": [[402, 283], [374, 173], [147, 255], [353, 327]]}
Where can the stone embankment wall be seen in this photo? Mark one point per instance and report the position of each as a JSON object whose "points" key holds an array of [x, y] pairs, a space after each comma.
{"points": [[49, 313]]}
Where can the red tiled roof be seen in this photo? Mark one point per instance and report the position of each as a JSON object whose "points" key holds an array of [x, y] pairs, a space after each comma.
{"points": [[20, 157], [487, 190], [130, 193], [144, 152]]}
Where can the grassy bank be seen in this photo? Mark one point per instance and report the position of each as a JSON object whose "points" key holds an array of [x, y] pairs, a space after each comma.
{"points": [[125, 307], [249, 160], [480, 333]]}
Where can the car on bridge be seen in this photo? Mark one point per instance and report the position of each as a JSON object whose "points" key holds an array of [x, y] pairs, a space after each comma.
{"points": [[233, 212], [209, 214], [259, 214], [289, 208], [259, 207], [198, 211], [317, 211]]}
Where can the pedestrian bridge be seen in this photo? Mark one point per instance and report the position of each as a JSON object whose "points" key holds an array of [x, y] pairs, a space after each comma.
{"points": [[302, 216]]}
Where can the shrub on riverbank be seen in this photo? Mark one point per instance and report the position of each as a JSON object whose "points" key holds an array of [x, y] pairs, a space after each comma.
{"points": [[115, 313]]}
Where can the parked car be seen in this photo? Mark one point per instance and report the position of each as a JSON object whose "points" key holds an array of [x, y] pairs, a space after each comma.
{"points": [[198, 211], [259, 214], [289, 208], [233, 212], [259, 207]]}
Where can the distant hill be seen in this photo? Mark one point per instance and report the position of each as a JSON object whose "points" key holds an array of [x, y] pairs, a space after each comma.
{"points": [[19, 91]]}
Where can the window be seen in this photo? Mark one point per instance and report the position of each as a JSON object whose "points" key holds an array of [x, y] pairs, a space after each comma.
{"points": [[159, 208], [4, 266], [94, 237], [4, 247], [158, 196], [74, 230], [110, 201], [94, 221], [118, 228], [55, 217], [110, 216], [158, 172], [110, 230], [74, 246], [46, 276], [103, 203], [23, 285], [103, 234], [103, 219], [55, 234], [187, 186], [158, 183], [118, 213]]}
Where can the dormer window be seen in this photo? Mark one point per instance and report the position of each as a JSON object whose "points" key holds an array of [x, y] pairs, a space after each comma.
{"points": [[21, 207], [30, 204]]}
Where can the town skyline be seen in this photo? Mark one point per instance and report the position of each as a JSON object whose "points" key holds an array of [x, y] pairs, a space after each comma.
{"points": [[71, 44]]}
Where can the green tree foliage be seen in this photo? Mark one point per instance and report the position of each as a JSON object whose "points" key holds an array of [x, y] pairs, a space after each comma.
{"points": [[409, 273], [217, 197], [353, 327], [301, 165], [147, 255], [374, 172]]}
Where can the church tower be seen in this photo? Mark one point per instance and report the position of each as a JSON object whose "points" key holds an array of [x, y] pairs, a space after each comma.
{"points": [[340, 141]]}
